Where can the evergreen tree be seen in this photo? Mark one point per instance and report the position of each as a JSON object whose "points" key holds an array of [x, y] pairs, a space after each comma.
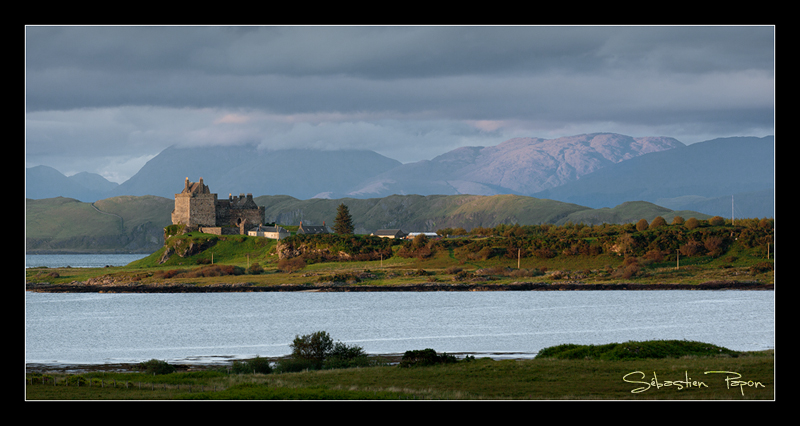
{"points": [[344, 222]]}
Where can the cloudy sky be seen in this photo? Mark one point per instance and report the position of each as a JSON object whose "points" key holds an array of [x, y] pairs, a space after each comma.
{"points": [[108, 99]]}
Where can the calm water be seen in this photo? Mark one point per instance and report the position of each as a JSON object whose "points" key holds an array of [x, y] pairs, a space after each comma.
{"points": [[80, 260], [108, 328]]}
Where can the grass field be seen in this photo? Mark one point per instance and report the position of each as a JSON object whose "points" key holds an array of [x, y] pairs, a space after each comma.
{"points": [[730, 376]]}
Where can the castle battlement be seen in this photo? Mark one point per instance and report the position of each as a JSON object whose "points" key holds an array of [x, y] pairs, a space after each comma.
{"points": [[196, 206]]}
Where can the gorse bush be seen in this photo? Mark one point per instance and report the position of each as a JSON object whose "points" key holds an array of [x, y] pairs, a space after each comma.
{"points": [[420, 247], [255, 269], [692, 237], [292, 264], [155, 366], [635, 350], [324, 247]]}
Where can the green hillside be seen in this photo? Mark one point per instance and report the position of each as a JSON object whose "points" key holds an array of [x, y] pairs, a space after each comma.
{"points": [[628, 212], [417, 213], [120, 224]]}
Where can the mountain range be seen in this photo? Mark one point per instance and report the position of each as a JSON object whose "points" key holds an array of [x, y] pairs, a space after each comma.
{"points": [[595, 170]]}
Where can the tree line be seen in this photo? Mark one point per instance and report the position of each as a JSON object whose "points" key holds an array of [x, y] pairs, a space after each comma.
{"points": [[653, 240]]}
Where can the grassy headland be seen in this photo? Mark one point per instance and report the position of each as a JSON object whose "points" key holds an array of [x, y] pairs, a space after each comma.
{"points": [[679, 253]]}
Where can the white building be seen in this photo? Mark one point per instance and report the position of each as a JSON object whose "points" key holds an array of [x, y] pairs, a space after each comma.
{"points": [[272, 232]]}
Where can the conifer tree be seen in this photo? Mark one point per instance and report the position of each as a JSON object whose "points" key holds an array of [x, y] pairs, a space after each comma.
{"points": [[344, 222]]}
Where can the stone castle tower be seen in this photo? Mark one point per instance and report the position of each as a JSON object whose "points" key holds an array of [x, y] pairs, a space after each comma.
{"points": [[197, 207]]}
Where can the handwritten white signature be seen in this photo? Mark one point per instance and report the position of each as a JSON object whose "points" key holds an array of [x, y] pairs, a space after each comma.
{"points": [[732, 380]]}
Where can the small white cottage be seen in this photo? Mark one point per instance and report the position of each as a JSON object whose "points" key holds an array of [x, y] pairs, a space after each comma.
{"points": [[272, 232]]}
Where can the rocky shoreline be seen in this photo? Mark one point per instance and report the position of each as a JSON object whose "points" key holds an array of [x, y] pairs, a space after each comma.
{"points": [[78, 287]]}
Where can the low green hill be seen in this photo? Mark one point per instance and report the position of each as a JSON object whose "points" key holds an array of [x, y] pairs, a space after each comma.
{"points": [[120, 224], [417, 213], [629, 212]]}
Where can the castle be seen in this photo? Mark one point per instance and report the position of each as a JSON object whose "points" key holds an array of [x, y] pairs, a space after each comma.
{"points": [[197, 208]]}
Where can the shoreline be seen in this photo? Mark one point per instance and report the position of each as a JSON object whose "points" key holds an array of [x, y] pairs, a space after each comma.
{"points": [[78, 287], [183, 365]]}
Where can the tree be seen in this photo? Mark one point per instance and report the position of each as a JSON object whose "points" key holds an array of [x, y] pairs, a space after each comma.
{"points": [[692, 223], [641, 225], [344, 222], [314, 347], [657, 222], [716, 221]]}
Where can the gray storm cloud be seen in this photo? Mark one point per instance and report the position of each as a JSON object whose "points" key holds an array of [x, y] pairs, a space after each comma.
{"points": [[412, 91]]}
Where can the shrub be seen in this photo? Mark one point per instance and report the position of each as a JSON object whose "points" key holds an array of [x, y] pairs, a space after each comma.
{"points": [[291, 265], [317, 351], [347, 356], [420, 247], [658, 222], [215, 271], [544, 253], [425, 357], [692, 248], [691, 223], [714, 245], [77, 380], [677, 220], [255, 269], [525, 273], [654, 255], [349, 278], [627, 270], [761, 267], [155, 366], [635, 350], [452, 270], [716, 221], [641, 225], [483, 254]]}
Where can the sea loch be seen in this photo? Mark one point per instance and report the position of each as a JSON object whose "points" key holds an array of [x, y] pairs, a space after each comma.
{"points": [[112, 328]]}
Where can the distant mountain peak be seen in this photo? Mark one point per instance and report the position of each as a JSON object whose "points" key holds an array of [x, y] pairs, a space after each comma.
{"points": [[520, 165]]}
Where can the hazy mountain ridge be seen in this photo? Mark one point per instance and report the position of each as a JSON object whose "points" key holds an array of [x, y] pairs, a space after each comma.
{"points": [[46, 182], [517, 166], [702, 176], [246, 169], [594, 170]]}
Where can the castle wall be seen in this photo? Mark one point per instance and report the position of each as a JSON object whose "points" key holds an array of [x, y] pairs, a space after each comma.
{"points": [[195, 209], [240, 210], [196, 206]]}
